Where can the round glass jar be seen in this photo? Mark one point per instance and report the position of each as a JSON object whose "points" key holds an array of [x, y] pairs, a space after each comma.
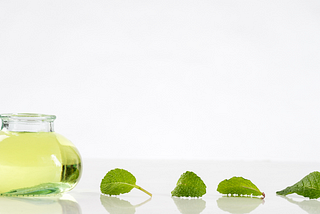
{"points": [[34, 160]]}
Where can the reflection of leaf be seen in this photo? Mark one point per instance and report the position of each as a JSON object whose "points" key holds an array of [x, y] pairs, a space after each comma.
{"points": [[189, 205], [238, 205], [116, 205], [310, 206]]}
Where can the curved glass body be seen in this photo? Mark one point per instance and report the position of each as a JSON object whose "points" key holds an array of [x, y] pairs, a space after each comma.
{"points": [[34, 160]]}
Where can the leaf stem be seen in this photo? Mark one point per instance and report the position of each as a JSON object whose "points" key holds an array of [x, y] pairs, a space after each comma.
{"points": [[143, 190]]}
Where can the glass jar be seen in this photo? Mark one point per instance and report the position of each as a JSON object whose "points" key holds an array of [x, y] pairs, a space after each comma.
{"points": [[34, 160]]}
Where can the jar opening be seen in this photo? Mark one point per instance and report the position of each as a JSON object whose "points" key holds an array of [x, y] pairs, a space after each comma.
{"points": [[27, 116], [27, 122]]}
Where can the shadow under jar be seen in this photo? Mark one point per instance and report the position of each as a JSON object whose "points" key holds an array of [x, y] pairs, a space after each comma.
{"points": [[35, 160]]}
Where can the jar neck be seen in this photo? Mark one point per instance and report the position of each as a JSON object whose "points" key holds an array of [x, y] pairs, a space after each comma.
{"points": [[26, 122]]}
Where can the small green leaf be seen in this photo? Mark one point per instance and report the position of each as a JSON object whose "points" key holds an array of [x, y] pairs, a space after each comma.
{"points": [[309, 186], [119, 181], [239, 186], [189, 185]]}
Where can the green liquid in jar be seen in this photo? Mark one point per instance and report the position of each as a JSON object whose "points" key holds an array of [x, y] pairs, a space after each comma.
{"points": [[37, 163]]}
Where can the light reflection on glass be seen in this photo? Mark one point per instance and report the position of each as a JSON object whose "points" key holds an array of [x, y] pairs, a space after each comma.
{"points": [[190, 205], [238, 205], [116, 205], [39, 205]]}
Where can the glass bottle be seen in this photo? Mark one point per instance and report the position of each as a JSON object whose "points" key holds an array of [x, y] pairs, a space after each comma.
{"points": [[35, 160]]}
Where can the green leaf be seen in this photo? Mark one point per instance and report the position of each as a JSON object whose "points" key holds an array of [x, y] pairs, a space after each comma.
{"points": [[119, 181], [309, 186], [239, 186], [189, 185]]}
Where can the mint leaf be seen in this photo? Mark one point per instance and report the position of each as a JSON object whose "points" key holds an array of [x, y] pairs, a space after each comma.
{"points": [[189, 185], [309, 186], [239, 186], [119, 181]]}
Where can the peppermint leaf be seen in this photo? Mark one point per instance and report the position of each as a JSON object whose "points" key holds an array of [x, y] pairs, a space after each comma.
{"points": [[189, 185], [309, 186], [119, 181], [239, 186]]}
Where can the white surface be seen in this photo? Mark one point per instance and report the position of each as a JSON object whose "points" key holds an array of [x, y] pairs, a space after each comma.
{"points": [[159, 177], [180, 79]]}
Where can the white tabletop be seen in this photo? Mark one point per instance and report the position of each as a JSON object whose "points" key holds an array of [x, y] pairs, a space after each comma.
{"points": [[160, 176]]}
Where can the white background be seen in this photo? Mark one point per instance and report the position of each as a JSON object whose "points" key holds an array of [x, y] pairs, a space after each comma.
{"points": [[216, 79]]}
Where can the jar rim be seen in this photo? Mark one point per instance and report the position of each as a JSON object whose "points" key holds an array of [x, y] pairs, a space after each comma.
{"points": [[27, 116]]}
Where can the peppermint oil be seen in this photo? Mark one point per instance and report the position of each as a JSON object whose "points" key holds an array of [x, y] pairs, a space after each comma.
{"points": [[35, 160]]}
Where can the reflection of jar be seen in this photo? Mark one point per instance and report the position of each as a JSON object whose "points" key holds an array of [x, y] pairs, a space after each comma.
{"points": [[34, 160], [39, 205]]}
